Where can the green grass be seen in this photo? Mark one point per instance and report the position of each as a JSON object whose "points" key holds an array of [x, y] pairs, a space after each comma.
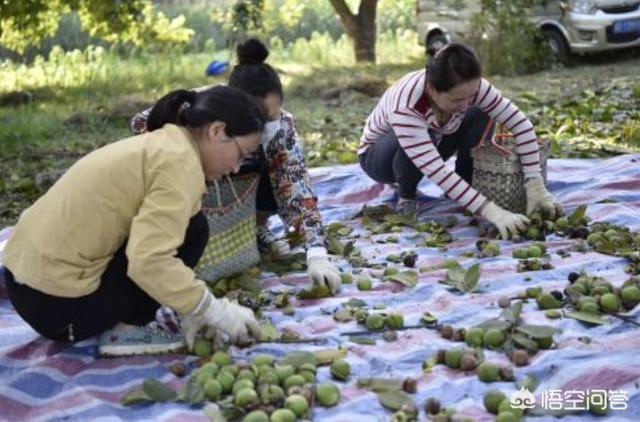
{"points": [[82, 100]]}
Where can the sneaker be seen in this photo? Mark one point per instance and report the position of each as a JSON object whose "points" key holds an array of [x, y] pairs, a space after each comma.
{"points": [[131, 340], [407, 206], [268, 242]]}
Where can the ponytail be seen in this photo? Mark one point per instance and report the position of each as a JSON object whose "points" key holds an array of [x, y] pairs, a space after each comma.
{"points": [[236, 109]]}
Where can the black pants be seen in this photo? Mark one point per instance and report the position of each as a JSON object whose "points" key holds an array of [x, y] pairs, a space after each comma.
{"points": [[387, 162], [265, 200], [117, 299]]}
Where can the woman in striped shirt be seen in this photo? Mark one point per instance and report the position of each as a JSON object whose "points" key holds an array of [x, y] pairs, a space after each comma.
{"points": [[430, 114]]}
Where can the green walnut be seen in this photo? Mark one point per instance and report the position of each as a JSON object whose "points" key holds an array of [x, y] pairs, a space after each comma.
{"points": [[283, 415], [262, 359], [240, 384], [212, 389], [272, 394], [294, 380], [488, 372], [256, 416], [375, 322], [364, 283], [361, 315], [534, 251], [494, 338], [492, 400], [394, 321], [505, 406], [452, 358], [610, 302], [298, 404], [630, 296], [507, 417], [346, 278], [221, 358], [269, 377], [246, 374], [284, 371], [520, 253], [246, 397], [533, 292], [389, 271], [340, 369], [547, 301], [474, 337], [210, 368], [589, 307], [545, 342], [202, 347], [226, 380], [491, 249], [327, 394], [533, 233], [562, 224]]}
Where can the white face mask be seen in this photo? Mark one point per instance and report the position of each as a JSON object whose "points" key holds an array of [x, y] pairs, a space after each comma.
{"points": [[269, 131]]}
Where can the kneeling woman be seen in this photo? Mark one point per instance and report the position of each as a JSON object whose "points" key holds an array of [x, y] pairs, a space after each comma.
{"points": [[430, 114], [118, 235]]}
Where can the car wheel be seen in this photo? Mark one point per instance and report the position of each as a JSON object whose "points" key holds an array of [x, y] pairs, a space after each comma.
{"points": [[558, 46], [435, 42]]}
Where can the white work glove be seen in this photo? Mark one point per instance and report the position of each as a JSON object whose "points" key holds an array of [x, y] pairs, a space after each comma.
{"points": [[508, 223], [238, 322], [280, 248], [321, 271], [538, 197]]}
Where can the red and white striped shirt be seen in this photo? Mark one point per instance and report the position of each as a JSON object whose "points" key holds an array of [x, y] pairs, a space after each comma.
{"points": [[404, 107]]}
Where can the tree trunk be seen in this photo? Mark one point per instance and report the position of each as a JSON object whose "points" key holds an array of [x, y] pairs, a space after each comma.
{"points": [[361, 28]]}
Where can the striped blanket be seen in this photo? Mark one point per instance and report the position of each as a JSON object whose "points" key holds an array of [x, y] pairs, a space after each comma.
{"points": [[40, 380]]}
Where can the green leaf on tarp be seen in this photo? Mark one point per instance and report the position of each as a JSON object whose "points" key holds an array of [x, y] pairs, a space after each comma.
{"points": [[348, 248], [495, 323], [157, 391], [400, 219], [135, 396], [344, 231], [298, 358], [524, 341], [335, 246], [367, 341], [586, 317], [268, 332], [408, 278], [191, 392], [471, 278], [456, 274], [395, 399], [512, 314], [379, 385], [355, 303], [537, 331], [428, 318], [576, 217], [316, 292], [343, 315], [327, 356]]}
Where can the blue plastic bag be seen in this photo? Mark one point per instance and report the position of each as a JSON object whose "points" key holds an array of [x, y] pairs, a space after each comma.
{"points": [[216, 67]]}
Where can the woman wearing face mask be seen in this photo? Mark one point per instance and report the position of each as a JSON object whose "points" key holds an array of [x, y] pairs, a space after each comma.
{"points": [[284, 187], [430, 114], [118, 235]]}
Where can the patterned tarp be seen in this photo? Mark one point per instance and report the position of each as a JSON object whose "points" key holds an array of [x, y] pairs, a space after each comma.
{"points": [[40, 380]]}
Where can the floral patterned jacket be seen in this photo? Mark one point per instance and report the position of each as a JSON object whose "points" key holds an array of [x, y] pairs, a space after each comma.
{"points": [[297, 202]]}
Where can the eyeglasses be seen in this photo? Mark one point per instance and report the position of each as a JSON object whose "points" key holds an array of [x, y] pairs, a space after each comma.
{"points": [[243, 156]]}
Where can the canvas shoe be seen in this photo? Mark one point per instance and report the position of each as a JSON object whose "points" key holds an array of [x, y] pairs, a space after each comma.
{"points": [[131, 340]]}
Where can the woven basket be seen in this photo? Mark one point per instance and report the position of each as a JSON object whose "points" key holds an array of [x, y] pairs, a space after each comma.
{"points": [[497, 172], [230, 208]]}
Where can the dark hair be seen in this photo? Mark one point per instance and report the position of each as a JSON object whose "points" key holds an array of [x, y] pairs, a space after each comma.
{"points": [[452, 65], [252, 74], [239, 112]]}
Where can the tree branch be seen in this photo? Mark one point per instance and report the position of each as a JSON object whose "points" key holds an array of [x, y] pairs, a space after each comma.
{"points": [[346, 16]]}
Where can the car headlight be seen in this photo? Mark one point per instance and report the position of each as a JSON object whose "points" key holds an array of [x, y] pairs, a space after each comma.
{"points": [[587, 7]]}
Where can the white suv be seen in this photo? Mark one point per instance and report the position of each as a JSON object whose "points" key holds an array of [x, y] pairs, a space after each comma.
{"points": [[574, 26]]}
